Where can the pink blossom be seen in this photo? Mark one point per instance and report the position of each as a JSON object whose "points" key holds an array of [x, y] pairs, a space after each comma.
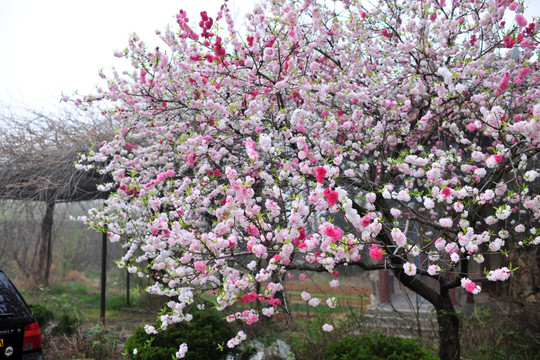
{"points": [[496, 244], [334, 232], [433, 270], [403, 195], [199, 266], [253, 318], [500, 274], [334, 283], [446, 222], [399, 237], [491, 162], [327, 327], [440, 243], [321, 173], [252, 230], [375, 252], [150, 330], [182, 350], [331, 302], [429, 203], [458, 207], [191, 159], [260, 251], [521, 21], [505, 80], [331, 196], [277, 258], [409, 269], [470, 286], [395, 212], [446, 192], [249, 297]]}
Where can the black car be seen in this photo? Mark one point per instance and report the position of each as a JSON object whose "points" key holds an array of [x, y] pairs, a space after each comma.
{"points": [[20, 336]]}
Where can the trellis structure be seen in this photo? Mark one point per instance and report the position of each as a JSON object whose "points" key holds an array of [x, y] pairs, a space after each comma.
{"points": [[37, 163]]}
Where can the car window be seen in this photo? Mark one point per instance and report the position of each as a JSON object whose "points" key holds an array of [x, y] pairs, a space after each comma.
{"points": [[11, 302]]}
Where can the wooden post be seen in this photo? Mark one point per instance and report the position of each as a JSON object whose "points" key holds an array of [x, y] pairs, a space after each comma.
{"points": [[103, 276], [384, 290], [127, 288]]}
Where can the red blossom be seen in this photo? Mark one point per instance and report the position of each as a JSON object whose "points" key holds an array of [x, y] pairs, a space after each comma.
{"points": [[320, 174], [331, 196]]}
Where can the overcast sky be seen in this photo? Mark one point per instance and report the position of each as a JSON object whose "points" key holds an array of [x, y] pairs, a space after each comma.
{"points": [[54, 46]]}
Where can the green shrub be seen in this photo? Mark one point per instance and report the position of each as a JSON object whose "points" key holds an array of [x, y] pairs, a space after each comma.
{"points": [[64, 311], [100, 342], [43, 315], [206, 336], [377, 346], [66, 325]]}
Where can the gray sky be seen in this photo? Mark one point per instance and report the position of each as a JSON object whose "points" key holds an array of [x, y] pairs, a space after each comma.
{"points": [[54, 46]]}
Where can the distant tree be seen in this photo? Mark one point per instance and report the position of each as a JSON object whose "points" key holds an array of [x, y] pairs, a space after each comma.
{"points": [[417, 121]]}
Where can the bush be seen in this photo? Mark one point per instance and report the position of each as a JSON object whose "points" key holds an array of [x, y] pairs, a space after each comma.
{"points": [[376, 346], [68, 321], [206, 336], [63, 310], [66, 325], [101, 341], [502, 331], [43, 315], [87, 342]]}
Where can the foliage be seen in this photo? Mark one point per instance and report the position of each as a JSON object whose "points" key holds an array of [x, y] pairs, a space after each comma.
{"points": [[63, 310], [43, 314], [67, 324], [307, 338], [409, 129], [502, 332], [94, 342], [103, 342], [377, 346], [206, 336]]}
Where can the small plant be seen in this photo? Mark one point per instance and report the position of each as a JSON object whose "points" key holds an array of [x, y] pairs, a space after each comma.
{"points": [[502, 332], [206, 336], [43, 314], [67, 324], [95, 342], [63, 310], [102, 342], [307, 338], [377, 346]]}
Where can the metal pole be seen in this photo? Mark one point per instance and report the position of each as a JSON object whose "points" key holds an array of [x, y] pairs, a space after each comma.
{"points": [[103, 276]]}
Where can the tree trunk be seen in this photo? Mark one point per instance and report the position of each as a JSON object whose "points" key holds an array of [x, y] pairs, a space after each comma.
{"points": [[449, 346], [44, 249]]}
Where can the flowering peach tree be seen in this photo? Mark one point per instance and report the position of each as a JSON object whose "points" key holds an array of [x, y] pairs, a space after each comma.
{"points": [[237, 151]]}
